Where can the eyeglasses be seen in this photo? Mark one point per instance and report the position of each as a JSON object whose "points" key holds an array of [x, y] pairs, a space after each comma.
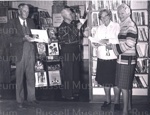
{"points": [[104, 16]]}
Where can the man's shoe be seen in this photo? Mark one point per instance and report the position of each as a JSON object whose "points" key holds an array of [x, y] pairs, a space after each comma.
{"points": [[116, 107], [106, 105], [21, 106]]}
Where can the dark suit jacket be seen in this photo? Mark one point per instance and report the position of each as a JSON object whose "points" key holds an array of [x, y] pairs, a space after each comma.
{"points": [[14, 37]]}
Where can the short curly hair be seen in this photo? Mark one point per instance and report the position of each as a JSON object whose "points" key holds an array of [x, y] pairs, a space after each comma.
{"points": [[125, 7], [107, 11]]}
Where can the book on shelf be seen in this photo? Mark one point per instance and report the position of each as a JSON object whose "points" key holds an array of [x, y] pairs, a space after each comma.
{"points": [[41, 48], [54, 78], [142, 49], [39, 66], [141, 66], [108, 4], [143, 34], [53, 49], [40, 79], [12, 14], [143, 81], [53, 67], [115, 17], [95, 19], [140, 17], [139, 82]]}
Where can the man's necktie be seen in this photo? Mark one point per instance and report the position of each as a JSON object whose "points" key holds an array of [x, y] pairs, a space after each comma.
{"points": [[24, 24]]}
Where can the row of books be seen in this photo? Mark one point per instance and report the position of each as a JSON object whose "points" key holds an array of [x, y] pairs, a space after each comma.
{"points": [[44, 18], [52, 79], [142, 34], [45, 21], [52, 49], [142, 49], [12, 14], [142, 66], [108, 4], [57, 3], [139, 82], [39, 66], [140, 17], [44, 14]]}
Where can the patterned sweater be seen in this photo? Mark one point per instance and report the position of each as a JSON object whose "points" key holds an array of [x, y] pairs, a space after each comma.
{"points": [[126, 49]]}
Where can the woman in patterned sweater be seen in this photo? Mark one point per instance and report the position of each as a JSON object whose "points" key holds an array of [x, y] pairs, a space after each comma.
{"points": [[126, 52]]}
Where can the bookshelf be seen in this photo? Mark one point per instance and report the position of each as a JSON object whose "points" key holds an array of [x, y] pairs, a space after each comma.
{"points": [[140, 17], [41, 17], [6, 13], [47, 53]]}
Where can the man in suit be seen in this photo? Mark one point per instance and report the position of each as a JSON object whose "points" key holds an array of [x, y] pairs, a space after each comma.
{"points": [[23, 48]]}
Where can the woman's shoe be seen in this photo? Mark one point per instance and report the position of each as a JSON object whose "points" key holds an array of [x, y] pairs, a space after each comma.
{"points": [[106, 105]]}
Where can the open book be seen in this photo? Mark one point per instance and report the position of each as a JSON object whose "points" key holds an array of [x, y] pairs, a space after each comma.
{"points": [[100, 42], [93, 40]]}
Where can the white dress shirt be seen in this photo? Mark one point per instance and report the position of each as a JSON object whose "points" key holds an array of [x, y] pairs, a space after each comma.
{"points": [[107, 32], [21, 21]]}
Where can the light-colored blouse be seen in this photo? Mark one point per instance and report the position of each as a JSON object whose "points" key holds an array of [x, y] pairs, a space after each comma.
{"points": [[107, 32]]}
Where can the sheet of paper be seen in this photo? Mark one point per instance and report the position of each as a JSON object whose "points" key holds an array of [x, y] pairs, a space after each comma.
{"points": [[43, 36], [93, 40]]}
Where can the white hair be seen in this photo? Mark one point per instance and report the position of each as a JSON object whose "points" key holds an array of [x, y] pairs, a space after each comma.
{"points": [[64, 11], [125, 7]]}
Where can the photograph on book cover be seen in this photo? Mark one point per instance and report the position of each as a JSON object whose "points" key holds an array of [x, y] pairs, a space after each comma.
{"points": [[53, 49], [41, 48], [40, 79]]}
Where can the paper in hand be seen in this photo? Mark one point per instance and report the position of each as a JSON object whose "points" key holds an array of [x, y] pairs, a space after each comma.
{"points": [[93, 40], [42, 35]]}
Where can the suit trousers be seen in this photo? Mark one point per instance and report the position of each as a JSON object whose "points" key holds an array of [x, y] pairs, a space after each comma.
{"points": [[26, 66]]}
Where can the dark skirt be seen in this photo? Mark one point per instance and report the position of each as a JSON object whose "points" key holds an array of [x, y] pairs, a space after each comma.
{"points": [[125, 76], [106, 72]]}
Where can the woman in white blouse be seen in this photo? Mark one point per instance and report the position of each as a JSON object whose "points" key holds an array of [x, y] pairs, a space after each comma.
{"points": [[106, 63]]}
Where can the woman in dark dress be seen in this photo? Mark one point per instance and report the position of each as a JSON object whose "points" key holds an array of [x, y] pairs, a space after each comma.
{"points": [[106, 62]]}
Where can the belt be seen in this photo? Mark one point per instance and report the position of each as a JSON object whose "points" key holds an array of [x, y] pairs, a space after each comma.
{"points": [[127, 57], [107, 60]]}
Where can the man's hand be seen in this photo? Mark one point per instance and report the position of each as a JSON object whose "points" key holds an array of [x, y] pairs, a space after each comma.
{"points": [[28, 38]]}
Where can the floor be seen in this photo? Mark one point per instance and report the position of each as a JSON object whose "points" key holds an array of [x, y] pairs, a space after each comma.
{"points": [[8, 107], [51, 103]]}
